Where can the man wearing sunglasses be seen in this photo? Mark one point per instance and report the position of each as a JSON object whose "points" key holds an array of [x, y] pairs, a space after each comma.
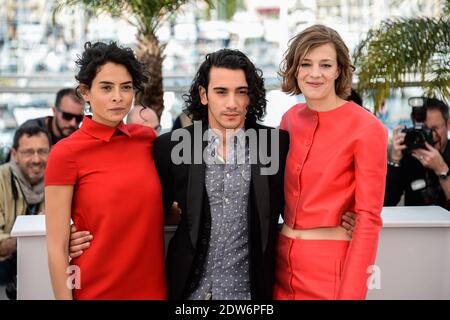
{"points": [[67, 115]]}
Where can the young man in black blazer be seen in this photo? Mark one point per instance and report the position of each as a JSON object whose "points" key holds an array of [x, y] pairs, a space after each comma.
{"points": [[224, 245]]}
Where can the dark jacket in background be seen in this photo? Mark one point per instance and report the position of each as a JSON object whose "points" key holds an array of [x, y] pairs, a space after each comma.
{"points": [[399, 180]]}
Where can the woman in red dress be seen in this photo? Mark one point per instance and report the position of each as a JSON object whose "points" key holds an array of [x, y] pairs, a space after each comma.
{"points": [[336, 163], [103, 177]]}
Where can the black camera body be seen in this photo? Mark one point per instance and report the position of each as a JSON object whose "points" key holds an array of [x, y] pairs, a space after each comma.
{"points": [[417, 135]]}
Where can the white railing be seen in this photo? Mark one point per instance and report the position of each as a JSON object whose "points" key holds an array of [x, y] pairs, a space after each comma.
{"points": [[413, 259]]}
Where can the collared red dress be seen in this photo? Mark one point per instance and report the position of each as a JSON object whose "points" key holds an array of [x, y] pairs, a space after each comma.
{"points": [[337, 162], [117, 197]]}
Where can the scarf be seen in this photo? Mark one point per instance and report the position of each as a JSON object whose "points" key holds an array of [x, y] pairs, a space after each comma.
{"points": [[33, 194]]}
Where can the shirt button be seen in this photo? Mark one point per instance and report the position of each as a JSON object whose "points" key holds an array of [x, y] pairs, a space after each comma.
{"points": [[307, 143], [295, 194], [298, 168]]}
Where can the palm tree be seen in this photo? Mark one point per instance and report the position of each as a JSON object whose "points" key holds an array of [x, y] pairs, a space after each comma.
{"points": [[147, 16], [405, 50]]}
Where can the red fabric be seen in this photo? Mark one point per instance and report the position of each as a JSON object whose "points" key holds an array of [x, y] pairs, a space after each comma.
{"points": [[308, 269], [117, 197], [337, 162]]}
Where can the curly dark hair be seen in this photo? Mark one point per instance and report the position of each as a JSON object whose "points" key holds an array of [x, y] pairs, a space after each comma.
{"points": [[98, 54], [234, 60]]}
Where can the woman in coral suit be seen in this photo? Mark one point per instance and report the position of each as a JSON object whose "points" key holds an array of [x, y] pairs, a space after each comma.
{"points": [[336, 163]]}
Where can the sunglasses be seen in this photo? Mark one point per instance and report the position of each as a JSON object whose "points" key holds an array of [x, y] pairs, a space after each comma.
{"points": [[69, 116]]}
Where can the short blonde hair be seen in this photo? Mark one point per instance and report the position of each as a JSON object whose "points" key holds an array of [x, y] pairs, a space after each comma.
{"points": [[301, 44]]}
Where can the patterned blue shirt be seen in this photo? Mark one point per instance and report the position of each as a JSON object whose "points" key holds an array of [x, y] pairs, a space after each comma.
{"points": [[226, 271]]}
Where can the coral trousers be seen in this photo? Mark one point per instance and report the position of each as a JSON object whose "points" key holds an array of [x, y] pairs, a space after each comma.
{"points": [[308, 269]]}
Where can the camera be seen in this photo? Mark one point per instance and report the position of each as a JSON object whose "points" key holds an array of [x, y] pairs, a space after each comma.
{"points": [[418, 134]]}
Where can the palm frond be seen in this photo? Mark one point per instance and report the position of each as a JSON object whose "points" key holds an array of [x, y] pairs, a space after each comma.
{"points": [[112, 7], [403, 50], [447, 8], [146, 15]]}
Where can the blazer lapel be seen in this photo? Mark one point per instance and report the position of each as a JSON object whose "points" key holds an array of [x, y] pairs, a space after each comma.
{"points": [[195, 199], [260, 185], [195, 190]]}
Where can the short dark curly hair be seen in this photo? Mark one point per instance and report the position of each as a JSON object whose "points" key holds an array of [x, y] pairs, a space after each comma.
{"points": [[234, 60], [98, 54]]}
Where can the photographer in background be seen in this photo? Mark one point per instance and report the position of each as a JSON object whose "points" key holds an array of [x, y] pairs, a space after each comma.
{"points": [[420, 157]]}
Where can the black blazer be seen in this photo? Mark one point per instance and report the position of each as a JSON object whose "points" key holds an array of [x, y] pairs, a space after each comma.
{"points": [[185, 183]]}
